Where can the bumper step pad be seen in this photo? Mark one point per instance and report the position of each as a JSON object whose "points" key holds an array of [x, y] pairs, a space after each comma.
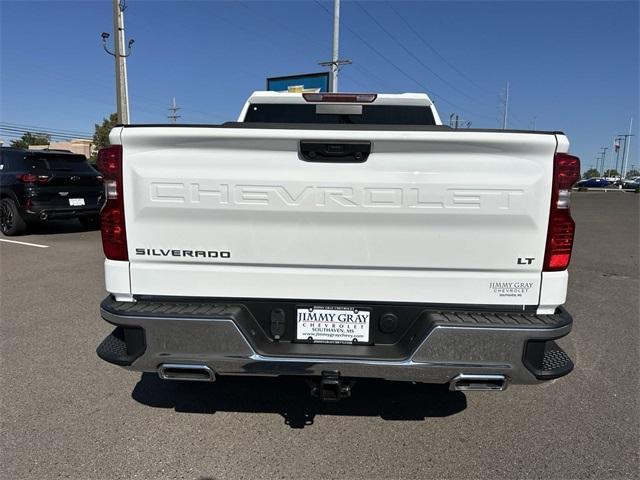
{"points": [[555, 359], [546, 360], [122, 346]]}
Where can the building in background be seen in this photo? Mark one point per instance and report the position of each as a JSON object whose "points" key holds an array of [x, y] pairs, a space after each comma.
{"points": [[82, 146]]}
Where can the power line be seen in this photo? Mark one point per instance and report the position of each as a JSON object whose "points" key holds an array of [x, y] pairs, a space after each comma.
{"points": [[409, 52], [430, 47], [19, 131], [152, 103], [86, 94], [281, 25], [413, 55], [384, 57], [307, 38], [355, 81], [370, 75], [393, 64], [19, 134], [56, 130]]}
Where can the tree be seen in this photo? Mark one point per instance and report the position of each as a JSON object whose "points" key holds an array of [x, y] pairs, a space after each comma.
{"points": [[633, 173], [29, 138], [612, 172], [591, 173], [101, 135]]}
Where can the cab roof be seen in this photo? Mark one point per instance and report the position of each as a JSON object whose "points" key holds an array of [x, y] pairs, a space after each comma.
{"points": [[405, 99]]}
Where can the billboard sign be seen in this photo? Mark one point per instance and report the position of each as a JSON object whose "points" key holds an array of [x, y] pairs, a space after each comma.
{"points": [[309, 82]]}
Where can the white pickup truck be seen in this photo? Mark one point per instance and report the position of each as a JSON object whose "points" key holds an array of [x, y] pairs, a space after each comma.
{"points": [[337, 236]]}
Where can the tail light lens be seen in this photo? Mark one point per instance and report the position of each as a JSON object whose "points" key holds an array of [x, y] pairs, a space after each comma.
{"points": [[114, 236], [566, 171], [31, 178]]}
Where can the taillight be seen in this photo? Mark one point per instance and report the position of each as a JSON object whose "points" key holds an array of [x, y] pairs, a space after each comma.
{"points": [[340, 97], [114, 236], [31, 178], [566, 171]]}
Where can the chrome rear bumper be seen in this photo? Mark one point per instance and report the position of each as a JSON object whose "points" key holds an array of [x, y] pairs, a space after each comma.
{"points": [[446, 349]]}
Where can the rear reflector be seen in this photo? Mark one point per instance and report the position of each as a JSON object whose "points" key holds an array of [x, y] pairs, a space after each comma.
{"points": [[340, 97], [561, 230], [114, 236]]}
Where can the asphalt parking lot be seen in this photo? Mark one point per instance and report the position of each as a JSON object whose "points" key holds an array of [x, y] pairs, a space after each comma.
{"points": [[67, 414]]}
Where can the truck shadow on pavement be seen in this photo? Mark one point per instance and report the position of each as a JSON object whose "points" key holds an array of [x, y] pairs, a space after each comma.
{"points": [[289, 397], [55, 227]]}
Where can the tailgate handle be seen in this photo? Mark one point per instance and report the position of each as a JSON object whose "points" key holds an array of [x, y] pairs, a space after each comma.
{"points": [[335, 151]]}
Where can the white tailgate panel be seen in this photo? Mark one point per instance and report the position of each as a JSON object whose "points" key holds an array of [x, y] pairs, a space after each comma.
{"points": [[437, 217]]}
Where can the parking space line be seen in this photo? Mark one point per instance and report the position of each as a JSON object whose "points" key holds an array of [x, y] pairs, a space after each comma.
{"points": [[24, 243]]}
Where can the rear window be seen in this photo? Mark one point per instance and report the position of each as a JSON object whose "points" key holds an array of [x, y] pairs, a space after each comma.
{"points": [[10, 160], [62, 163], [370, 115]]}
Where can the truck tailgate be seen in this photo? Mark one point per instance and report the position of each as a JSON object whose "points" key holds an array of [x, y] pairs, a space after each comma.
{"points": [[438, 216]]}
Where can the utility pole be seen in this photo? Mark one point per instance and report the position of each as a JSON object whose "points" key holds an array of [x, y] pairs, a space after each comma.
{"points": [[335, 62], [335, 52], [625, 155], [119, 41], [122, 89], [616, 147], [505, 111], [624, 151], [627, 139], [173, 116], [604, 156], [454, 120]]}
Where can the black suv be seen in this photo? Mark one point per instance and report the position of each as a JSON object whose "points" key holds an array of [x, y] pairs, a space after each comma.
{"points": [[39, 185]]}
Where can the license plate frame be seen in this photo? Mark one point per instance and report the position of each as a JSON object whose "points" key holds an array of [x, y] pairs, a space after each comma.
{"points": [[331, 324]]}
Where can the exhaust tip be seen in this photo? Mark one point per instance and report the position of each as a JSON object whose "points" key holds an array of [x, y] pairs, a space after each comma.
{"points": [[181, 371], [43, 216], [466, 382]]}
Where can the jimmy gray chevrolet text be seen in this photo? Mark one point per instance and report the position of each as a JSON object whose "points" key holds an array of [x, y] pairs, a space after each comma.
{"points": [[338, 236]]}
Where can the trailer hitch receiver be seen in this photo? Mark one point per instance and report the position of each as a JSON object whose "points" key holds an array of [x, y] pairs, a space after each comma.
{"points": [[331, 387]]}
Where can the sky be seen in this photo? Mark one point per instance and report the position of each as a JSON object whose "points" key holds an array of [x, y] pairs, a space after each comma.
{"points": [[572, 66]]}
